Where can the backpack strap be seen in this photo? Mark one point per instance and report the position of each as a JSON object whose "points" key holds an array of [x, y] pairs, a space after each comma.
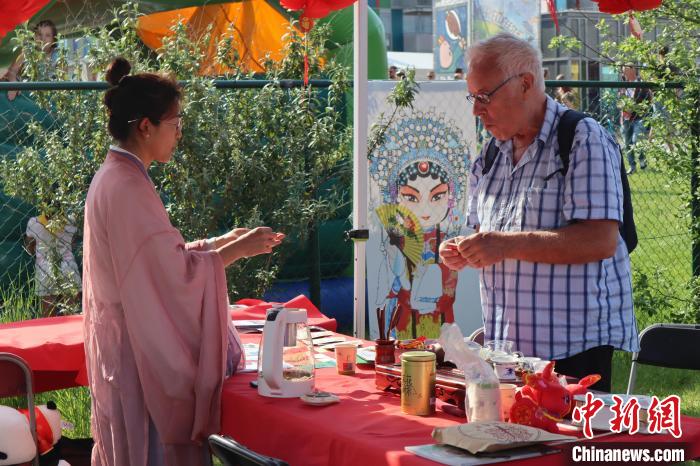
{"points": [[490, 156], [565, 135]]}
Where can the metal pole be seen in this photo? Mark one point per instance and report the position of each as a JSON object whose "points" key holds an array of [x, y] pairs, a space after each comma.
{"points": [[695, 186], [314, 266], [359, 186]]}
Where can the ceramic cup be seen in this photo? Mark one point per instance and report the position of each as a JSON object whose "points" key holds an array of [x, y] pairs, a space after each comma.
{"points": [[504, 366], [497, 348], [507, 399], [345, 357]]}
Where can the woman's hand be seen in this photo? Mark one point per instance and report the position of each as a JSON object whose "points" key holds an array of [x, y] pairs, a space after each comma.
{"points": [[242, 242], [260, 240], [232, 235]]}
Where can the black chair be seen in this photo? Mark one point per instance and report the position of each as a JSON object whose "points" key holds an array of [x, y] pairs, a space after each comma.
{"points": [[16, 379], [232, 453], [667, 345], [477, 336]]}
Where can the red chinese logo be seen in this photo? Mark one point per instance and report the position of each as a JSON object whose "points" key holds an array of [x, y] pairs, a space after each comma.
{"points": [[665, 414], [626, 415], [586, 412]]}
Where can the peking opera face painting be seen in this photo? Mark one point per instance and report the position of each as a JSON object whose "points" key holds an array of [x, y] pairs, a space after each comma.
{"points": [[420, 175]]}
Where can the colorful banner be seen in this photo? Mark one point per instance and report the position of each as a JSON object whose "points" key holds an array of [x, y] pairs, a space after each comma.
{"points": [[518, 17], [418, 188], [450, 37]]}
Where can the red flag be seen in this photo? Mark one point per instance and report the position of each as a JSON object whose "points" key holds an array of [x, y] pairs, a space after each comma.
{"points": [[15, 12], [615, 7], [553, 11]]}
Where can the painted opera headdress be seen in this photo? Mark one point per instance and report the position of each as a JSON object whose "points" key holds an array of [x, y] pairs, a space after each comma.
{"points": [[421, 137]]}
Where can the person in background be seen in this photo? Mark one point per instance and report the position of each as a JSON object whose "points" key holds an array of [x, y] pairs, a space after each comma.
{"points": [[549, 90], [555, 272], [431, 75], [157, 329], [566, 95], [57, 278], [633, 129], [392, 73], [45, 33], [459, 74]]}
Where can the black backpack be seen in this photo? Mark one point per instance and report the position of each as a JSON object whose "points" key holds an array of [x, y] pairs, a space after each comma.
{"points": [[565, 136]]}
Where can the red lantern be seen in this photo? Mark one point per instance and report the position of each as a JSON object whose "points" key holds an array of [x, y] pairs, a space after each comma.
{"points": [[316, 8], [615, 7]]}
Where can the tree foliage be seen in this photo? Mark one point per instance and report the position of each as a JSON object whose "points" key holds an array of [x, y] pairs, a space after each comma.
{"points": [[247, 157]]}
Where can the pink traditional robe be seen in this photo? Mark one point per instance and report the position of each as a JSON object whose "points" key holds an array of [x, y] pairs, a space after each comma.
{"points": [[156, 317]]}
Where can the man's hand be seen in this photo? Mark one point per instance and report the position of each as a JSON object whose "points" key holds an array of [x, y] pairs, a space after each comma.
{"points": [[482, 249], [449, 254]]}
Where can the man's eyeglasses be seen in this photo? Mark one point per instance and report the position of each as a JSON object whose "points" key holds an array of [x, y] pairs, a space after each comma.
{"points": [[177, 124], [485, 97]]}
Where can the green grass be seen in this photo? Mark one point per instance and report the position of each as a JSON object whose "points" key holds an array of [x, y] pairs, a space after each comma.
{"points": [[664, 255], [664, 238]]}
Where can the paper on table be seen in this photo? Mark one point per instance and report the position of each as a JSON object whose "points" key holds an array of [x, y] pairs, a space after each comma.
{"points": [[251, 357], [328, 340], [248, 323], [368, 354], [453, 456]]}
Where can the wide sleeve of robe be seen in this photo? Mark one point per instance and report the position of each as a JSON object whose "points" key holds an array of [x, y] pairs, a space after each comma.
{"points": [[174, 309]]}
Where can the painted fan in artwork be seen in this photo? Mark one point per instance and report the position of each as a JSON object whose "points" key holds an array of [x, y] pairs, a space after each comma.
{"points": [[401, 224]]}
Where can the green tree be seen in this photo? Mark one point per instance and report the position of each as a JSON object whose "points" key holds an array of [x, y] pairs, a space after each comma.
{"points": [[247, 156]]}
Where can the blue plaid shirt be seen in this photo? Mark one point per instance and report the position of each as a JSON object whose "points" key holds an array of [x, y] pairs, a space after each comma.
{"points": [[554, 310]]}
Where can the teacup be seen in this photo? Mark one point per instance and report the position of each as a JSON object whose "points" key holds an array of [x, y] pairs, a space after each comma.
{"points": [[500, 348], [527, 364], [505, 366]]}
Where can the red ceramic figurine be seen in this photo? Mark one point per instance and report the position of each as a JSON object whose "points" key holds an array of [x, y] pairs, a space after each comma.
{"points": [[544, 401]]}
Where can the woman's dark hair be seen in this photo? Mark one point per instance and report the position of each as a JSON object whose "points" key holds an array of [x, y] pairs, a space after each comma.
{"points": [[132, 97], [47, 23]]}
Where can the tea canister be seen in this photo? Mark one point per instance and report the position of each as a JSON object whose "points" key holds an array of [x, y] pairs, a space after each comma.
{"points": [[418, 383]]}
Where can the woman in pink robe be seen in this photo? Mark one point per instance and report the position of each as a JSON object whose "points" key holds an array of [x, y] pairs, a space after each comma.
{"points": [[157, 332]]}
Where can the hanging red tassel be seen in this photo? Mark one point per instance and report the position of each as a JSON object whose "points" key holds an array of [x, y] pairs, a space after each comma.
{"points": [[305, 24], [635, 27], [553, 11]]}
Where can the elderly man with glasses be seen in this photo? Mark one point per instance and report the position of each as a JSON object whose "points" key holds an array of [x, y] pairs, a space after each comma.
{"points": [[555, 271]]}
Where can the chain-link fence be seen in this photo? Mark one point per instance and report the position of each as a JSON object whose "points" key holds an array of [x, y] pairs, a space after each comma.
{"points": [[661, 263]]}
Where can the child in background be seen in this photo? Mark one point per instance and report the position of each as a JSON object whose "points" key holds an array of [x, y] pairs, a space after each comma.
{"points": [[56, 272]]}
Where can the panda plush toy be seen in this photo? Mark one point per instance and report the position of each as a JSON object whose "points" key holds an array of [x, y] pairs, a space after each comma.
{"points": [[16, 444]]}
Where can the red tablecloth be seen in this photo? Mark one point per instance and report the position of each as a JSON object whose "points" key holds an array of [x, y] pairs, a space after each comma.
{"points": [[256, 310], [53, 348], [366, 428]]}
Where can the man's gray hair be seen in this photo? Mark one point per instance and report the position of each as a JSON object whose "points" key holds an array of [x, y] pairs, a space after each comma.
{"points": [[510, 55]]}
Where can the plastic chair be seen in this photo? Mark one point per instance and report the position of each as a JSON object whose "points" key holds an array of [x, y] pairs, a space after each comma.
{"points": [[477, 336], [16, 379], [232, 453], [667, 345]]}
